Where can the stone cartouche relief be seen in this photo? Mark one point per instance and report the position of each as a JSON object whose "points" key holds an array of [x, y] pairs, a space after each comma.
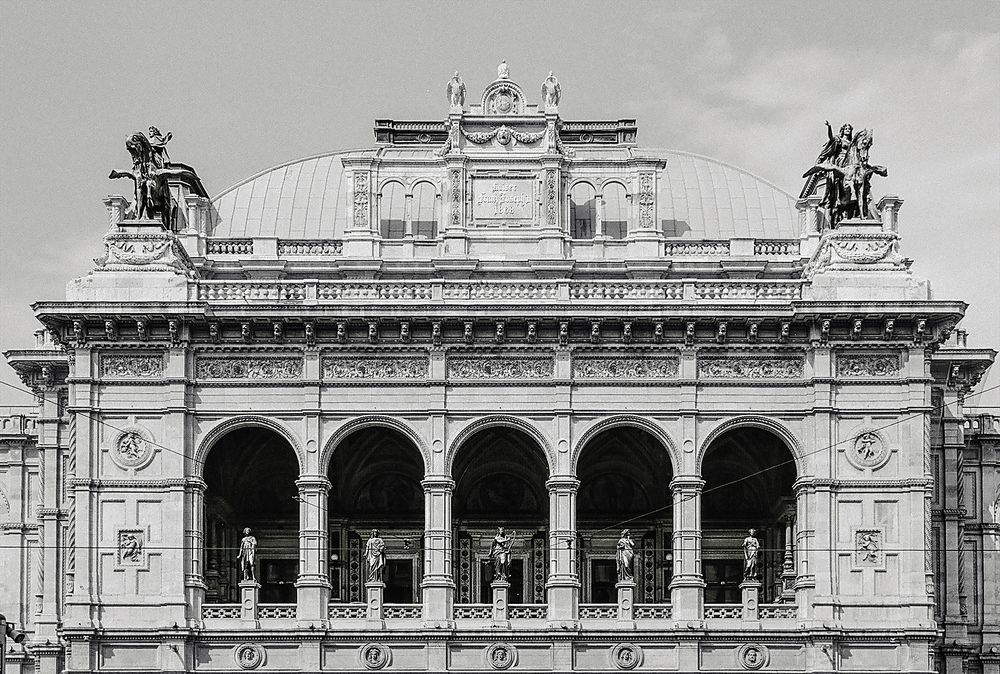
{"points": [[248, 367], [867, 365], [374, 656], [365, 367], [752, 656], [501, 655], [869, 548], [625, 368], [499, 367], [128, 366], [757, 367], [626, 656]]}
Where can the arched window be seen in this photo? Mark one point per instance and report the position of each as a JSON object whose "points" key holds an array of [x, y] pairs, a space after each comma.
{"points": [[615, 211], [582, 211], [392, 211], [424, 211]]}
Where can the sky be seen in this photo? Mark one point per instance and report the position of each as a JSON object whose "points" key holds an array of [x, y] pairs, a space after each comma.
{"points": [[247, 85]]}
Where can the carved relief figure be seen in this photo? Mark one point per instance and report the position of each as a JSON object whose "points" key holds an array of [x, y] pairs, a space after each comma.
{"points": [[551, 92], [456, 92], [751, 546], [248, 551], [867, 446], [130, 548], [625, 556], [868, 548], [500, 553], [130, 446], [375, 557]]}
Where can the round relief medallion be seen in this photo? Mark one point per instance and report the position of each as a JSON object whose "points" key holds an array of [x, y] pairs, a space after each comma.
{"points": [[249, 656], [374, 656], [132, 449], [868, 450], [752, 656], [501, 656], [626, 656]]}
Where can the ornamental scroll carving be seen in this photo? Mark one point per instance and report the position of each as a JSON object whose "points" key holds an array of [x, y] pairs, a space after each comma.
{"points": [[551, 197], [868, 365], [499, 368], [625, 368], [361, 198], [121, 366], [456, 197], [248, 368], [375, 368], [750, 368], [647, 200]]}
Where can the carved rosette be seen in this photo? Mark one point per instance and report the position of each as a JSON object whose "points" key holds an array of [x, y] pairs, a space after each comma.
{"points": [[370, 367], [752, 656], [625, 368], [248, 367], [757, 367], [647, 200], [126, 366], [856, 251], [153, 251], [249, 656], [868, 365], [361, 199], [479, 367], [626, 656]]}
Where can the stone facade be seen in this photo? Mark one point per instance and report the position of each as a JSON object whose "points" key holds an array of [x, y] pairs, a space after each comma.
{"points": [[508, 319]]}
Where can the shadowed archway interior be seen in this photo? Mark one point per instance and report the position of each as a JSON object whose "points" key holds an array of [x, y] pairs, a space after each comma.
{"points": [[250, 473]]}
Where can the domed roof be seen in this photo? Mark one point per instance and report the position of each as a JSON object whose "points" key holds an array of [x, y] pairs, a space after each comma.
{"points": [[699, 198]]}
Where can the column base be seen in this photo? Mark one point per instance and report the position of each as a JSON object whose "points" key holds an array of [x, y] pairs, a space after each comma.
{"points": [[439, 603], [687, 597]]}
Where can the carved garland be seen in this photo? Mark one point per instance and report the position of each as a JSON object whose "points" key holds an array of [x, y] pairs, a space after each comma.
{"points": [[375, 368], [122, 366], [750, 368], [499, 368], [868, 365], [503, 134], [625, 368], [248, 368]]}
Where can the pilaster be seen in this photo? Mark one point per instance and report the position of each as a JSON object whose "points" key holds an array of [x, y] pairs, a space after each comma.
{"points": [[563, 586], [687, 587], [438, 583], [313, 584]]}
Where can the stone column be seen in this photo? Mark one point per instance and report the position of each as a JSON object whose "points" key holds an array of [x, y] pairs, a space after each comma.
{"points": [[194, 539], [313, 584], [438, 585], [563, 584], [788, 563], [687, 588]]}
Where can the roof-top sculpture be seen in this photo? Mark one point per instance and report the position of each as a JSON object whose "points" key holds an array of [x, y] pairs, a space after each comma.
{"points": [[843, 164]]}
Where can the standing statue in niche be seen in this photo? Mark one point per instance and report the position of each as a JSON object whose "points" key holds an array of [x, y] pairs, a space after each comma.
{"points": [[843, 164], [500, 554], [456, 93], [375, 557], [551, 92], [150, 169], [248, 551], [751, 546], [625, 556]]}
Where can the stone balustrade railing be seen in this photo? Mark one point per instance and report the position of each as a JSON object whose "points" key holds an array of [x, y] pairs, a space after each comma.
{"points": [[220, 611], [714, 611], [402, 611], [528, 611], [473, 611], [778, 611], [598, 611], [276, 611], [442, 291]]}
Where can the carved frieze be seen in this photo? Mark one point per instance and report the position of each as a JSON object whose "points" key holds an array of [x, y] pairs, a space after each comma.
{"points": [[867, 365], [131, 366], [624, 368], [373, 367], [855, 251], [153, 251], [248, 367], [499, 367], [755, 367]]}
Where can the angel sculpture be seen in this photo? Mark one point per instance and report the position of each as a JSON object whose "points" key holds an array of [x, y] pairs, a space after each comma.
{"points": [[456, 92], [843, 163], [551, 92]]}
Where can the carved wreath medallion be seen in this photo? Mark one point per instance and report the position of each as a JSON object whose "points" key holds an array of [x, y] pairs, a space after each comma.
{"points": [[132, 449], [249, 656], [626, 656], [374, 656], [868, 450], [752, 656], [501, 656]]}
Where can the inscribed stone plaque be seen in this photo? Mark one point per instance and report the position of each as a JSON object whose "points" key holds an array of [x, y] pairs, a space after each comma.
{"points": [[502, 199]]}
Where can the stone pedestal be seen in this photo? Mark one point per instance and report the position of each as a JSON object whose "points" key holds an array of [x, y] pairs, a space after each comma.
{"points": [[626, 603], [501, 606], [249, 598], [375, 617], [751, 600]]}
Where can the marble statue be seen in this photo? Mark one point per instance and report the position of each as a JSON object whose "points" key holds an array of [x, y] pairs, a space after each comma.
{"points": [[551, 92], [625, 556], [149, 175], [843, 165], [456, 92], [751, 546], [248, 551], [500, 553], [503, 70], [375, 557]]}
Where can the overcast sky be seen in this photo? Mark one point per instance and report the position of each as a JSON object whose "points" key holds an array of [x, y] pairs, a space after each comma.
{"points": [[244, 86]]}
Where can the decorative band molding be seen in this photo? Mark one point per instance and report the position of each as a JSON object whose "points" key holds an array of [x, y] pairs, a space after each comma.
{"points": [[868, 365]]}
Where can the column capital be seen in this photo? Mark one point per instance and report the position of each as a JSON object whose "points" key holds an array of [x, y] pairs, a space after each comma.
{"points": [[562, 482], [313, 481], [687, 482], [431, 482]]}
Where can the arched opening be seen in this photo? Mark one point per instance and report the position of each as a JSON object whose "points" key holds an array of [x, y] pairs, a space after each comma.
{"points": [[624, 475], [582, 211], [425, 211], [500, 476], [250, 473], [748, 473], [375, 475], [392, 211], [615, 211]]}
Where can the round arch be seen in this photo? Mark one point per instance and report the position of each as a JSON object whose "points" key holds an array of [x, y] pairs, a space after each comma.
{"points": [[369, 421], [246, 421], [388, 181], [615, 181], [629, 420], [754, 421], [500, 420], [423, 181]]}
